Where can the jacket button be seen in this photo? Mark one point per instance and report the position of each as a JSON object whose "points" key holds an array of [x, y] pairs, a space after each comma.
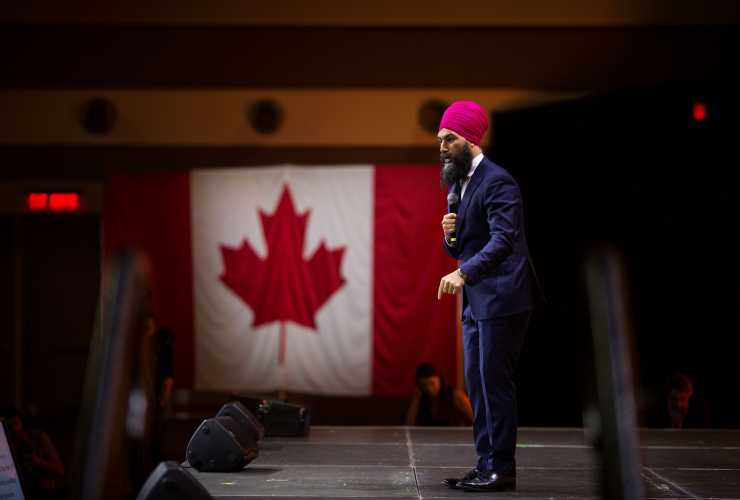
{"points": [[460, 256]]}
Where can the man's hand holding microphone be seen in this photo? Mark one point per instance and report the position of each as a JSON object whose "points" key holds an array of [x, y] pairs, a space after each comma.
{"points": [[449, 221]]}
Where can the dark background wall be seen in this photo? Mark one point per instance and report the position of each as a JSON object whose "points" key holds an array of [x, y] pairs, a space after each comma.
{"points": [[633, 167]]}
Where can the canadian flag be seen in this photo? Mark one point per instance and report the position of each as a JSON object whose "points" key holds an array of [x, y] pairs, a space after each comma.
{"points": [[313, 279]]}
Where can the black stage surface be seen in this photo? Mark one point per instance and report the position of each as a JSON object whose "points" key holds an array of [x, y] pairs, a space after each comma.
{"points": [[410, 462]]}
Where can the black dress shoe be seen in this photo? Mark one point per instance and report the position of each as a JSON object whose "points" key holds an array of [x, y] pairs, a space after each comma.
{"points": [[487, 481], [452, 482]]}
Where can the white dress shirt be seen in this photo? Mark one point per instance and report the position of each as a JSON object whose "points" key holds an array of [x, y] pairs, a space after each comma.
{"points": [[476, 162]]}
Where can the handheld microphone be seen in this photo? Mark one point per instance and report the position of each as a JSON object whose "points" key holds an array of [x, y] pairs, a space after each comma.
{"points": [[452, 200]]}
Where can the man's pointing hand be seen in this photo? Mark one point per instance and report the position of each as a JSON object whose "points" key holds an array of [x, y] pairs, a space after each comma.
{"points": [[452, 283]]}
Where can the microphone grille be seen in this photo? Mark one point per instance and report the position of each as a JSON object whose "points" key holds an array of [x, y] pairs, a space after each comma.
{"points": [[452, 198]]}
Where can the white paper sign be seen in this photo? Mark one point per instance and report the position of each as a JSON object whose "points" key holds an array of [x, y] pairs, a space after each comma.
{"points": [[10, 484]]}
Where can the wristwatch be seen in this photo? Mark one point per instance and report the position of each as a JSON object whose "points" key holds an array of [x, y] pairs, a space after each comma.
{"points": [[462, 274]]}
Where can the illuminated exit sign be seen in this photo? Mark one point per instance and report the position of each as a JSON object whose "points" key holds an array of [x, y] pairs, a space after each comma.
{"points": [[54, 202]]}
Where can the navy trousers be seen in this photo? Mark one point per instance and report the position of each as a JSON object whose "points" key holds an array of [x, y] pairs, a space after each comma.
{"points": [[492, 348]]}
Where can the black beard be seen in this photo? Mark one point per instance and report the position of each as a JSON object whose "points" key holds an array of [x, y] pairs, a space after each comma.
{"points": [[457, 169]]}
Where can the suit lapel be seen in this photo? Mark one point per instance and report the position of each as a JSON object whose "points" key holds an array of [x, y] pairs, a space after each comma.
{"points": [[472, 185]]}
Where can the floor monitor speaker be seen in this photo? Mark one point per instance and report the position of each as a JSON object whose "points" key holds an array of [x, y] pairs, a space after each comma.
{"points": [[244, 417], [169, 481], [278, 418], [221, 444]]}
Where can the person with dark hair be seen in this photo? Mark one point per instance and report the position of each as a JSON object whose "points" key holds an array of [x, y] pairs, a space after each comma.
{"points": [[682, 409], [147, 451], [39, 463], [437, 404]]}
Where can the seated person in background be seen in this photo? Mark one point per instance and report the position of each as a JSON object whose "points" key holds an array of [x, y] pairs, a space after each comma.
{"points": [[165, 365], [436, 404], [163, 374], [38, 460], [683, 410]]}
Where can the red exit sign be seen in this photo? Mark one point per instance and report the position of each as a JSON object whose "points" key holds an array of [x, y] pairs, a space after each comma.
{"points": [[54, 202]]}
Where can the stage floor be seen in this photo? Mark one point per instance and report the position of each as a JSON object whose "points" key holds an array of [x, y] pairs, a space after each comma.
{"points": [[411, 462]]}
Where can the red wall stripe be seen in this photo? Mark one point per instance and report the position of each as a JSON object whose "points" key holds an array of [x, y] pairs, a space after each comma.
{"points": [[410, 325], [151, 212]]}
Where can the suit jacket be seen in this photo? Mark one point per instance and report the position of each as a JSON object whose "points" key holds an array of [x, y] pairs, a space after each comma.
{"points": [[491, 246]]}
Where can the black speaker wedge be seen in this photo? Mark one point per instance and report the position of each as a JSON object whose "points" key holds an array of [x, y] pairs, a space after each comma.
{"points": [[279, 418], [244, 417], [221, 445], [169, 481]]}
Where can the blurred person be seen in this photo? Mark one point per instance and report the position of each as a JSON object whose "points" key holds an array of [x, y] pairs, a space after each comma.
{"points": [[437, 404], [498, 285], [162, 365], [39, 462], [156, 382], [682, 409], [159, 366]]}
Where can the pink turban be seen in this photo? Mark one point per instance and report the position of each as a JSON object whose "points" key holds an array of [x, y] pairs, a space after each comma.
{"points": [[467, 119]]}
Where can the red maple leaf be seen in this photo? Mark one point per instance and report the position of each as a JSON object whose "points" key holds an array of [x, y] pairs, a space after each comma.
{"points": [[284, 286]]}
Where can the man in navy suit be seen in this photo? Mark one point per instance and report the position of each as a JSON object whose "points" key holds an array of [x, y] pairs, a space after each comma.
{"points": [[498, 285]]}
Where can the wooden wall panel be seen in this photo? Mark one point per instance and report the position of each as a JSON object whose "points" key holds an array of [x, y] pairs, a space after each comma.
{"points": [[556, 59], [376, 13]]}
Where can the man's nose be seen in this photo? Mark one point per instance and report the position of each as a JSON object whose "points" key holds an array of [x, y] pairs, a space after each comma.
{"points": [[442, 148]]}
